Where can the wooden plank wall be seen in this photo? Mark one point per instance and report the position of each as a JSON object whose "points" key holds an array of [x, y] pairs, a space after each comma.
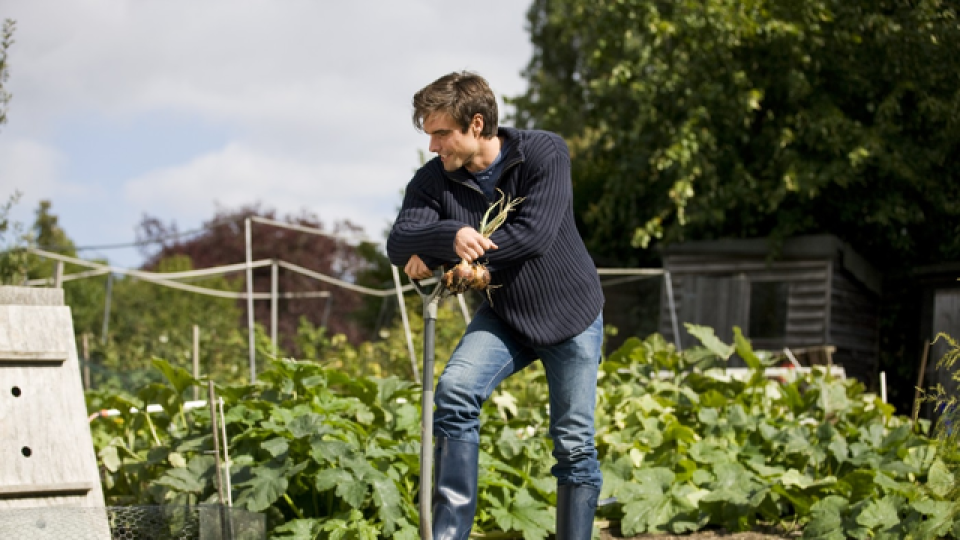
{"points": [[807, 310], [825, 306], [946, 319], [855, 328]]}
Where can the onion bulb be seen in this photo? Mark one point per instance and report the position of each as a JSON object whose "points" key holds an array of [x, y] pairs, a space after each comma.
{"points": [[458, 279], [465, 276]]}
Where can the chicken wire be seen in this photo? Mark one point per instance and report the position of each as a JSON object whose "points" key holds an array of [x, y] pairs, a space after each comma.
{"points": [[202, 522]]}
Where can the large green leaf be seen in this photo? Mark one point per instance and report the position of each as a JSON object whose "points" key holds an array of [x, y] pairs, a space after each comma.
{"points": [[298, 529], [178, 377], [940, 479], [525, 515], [266, 485], [745, 350], [826, 520], [879, 515], [710, 340], [307, 424], [387, 498], [193, 478]]}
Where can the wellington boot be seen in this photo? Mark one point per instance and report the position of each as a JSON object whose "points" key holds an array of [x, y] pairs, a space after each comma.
{"points": [[576, 506], [454, 488]]}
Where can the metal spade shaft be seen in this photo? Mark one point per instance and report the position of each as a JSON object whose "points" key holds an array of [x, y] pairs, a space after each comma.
{"points": [[431, 302]]}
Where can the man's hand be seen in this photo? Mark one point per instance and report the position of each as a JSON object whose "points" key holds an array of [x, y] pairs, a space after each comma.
{"points": [[417, 269], [471, 245]]}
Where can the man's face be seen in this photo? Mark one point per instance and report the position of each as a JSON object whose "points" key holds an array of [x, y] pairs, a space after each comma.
{"points": [[455, 148]]}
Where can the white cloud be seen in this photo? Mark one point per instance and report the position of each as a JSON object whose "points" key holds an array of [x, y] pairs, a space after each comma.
{"points": [[238, 175], [308, 101], [250, 60], [30, 166]]}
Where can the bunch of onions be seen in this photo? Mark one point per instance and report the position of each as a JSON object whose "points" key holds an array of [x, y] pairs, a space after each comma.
{"points": [[465, 275]]}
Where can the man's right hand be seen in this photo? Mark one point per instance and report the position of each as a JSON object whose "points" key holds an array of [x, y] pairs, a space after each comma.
{"points": [[417, 269]]}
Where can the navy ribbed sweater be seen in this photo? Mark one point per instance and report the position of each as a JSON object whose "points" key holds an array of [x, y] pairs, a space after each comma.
{"points": [[548, 290]]}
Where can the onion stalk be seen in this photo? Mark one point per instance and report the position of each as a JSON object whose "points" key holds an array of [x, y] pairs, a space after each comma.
{"points": [[465, 275]]}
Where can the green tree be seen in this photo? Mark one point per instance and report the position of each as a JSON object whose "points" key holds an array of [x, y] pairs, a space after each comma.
{"points": [[148, 321], [14, 259], [86, 297], [144, 320], [6, 41], [692, 120], [701, 119]]}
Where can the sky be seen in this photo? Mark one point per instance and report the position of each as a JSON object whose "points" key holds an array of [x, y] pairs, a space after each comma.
{"points": [[176, 109]]}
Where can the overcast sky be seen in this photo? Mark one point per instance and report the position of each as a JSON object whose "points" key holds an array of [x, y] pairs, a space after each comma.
{"points": [[174, 108]]}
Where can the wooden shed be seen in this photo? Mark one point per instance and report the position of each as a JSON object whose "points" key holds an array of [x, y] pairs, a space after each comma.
{"points": [[817, 297], [939, 313]]}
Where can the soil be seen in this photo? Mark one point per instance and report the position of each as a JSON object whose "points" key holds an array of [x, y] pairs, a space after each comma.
{"points": [[762, 533]]}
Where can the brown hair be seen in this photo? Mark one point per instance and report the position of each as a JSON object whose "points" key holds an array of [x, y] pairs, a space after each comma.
{"points": [[462, 95]]}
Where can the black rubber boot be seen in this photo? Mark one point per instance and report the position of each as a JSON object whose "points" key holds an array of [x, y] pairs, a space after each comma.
{"points": [[576, 506], [454, 488]]}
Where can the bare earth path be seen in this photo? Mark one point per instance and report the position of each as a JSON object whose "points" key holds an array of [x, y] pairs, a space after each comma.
{"points": [[771, 534]]}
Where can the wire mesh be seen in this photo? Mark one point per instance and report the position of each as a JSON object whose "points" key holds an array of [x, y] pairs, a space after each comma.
{"points": [[200, 522]]}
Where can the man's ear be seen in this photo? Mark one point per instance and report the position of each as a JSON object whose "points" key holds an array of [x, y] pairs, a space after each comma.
{"points": [[476, 124]]}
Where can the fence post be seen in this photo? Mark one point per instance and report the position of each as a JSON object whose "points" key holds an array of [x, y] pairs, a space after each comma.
{"points": [[196, 360], [58, 276]]}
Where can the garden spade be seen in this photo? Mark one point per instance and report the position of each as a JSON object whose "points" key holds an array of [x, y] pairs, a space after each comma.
{"points": [[431, 303]]}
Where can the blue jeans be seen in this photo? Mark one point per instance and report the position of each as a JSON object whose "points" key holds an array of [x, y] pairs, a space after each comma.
{"points": [[489, 352]]}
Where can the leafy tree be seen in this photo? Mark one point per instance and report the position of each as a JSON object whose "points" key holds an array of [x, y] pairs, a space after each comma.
{"points": [[694, 120], [697, 120], [14, 260], [86, 297], [150, 321], [6, 41], [222, 242]]}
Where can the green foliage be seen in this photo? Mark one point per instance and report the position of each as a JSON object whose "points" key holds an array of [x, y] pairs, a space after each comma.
{"points": [[684, 446], [688, 450], [388, 355], [309, 446], [704, 119], [6, 41], [14, 259], [945, 474], [149, 321]]}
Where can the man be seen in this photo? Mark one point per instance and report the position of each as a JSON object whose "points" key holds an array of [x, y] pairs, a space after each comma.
{"points": [[547, 301]]}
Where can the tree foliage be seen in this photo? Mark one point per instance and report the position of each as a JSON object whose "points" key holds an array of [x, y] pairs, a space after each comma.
{"points": [[6, 41], [148, 321], [14, 260], [702, 119]]}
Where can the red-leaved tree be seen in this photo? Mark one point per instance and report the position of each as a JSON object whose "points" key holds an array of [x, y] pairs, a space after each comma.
{"points": [[221, 241]]}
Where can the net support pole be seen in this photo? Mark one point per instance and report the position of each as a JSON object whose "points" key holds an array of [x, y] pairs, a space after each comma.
{"points": [[406, 322], [668, 282], [250, 334], [274, 308]]}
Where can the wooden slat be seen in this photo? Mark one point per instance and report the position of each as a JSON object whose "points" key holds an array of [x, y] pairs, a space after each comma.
{"points": [[41, 490], [27, 357]]}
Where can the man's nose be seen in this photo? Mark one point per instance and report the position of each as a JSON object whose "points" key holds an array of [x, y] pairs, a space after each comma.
{"points": [[434, 145]]}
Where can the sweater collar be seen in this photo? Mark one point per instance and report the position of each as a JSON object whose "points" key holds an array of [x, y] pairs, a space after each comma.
{"points": [[512, 143]]}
